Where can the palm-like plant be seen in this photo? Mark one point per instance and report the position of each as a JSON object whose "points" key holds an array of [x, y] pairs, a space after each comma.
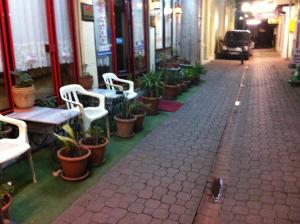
{"points": [[71, 145], [5, 189], [152, 84]]}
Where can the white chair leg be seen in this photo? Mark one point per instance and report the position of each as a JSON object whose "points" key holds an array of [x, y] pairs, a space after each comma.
{"points": [[107, 126], [31, 165]]}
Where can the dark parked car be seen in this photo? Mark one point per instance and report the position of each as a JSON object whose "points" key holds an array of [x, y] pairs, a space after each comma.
{"points": [[234, 41]]}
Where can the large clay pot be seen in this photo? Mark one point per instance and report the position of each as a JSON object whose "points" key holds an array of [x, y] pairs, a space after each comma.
{"points": [[74, 168], [184, 86], [125, 127], [139, 123], [188, 83], [153, 104], [24, 97], [97, 151], [86, 81], [5, 208], [170, 92]]}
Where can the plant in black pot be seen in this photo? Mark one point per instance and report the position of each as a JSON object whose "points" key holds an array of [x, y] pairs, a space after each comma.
{"points": [[95, 140], [5, 130], [23, 90], [152, 86], [73, 157], [125, 119], [6, 191]]}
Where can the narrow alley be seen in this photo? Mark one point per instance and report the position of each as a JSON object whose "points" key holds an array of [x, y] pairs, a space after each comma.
{"points": [[255, 144]]}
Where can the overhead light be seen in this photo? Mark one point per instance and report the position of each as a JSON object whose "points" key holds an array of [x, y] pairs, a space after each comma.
{"points": [[246, 7], [246, 16], [241, 18], [253, 22]]}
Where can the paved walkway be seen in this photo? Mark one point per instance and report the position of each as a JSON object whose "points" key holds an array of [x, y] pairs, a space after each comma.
{"points": [[163, 177], [162, 180], [259, 155]]}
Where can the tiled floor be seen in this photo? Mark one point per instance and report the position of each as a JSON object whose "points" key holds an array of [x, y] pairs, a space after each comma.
{"points": [[162, 180]]}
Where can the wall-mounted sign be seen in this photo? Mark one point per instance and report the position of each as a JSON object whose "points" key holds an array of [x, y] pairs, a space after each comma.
{"points": [[292, 25], [296, 56], [274, 20], [87, 13]]}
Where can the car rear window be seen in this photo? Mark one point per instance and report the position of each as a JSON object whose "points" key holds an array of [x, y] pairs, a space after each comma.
{"points": [[232, 36]]}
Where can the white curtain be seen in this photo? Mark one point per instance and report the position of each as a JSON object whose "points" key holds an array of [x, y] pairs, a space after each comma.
{"points": [[29, 31], [63, 31]]}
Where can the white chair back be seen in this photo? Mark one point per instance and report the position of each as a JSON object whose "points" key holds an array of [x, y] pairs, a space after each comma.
{"points": [[69, 94], [108, 79]]}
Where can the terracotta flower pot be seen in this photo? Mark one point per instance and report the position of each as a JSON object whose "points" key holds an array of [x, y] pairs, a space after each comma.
{"points": [[125, 127], [170, 92], [74, 168], [195, 80], [24, 97], [183, 86], [5, 208], [97, 151], [86, 81], [139, 123], [179, 89], [188, 83], [5, 132], [153, 104]]}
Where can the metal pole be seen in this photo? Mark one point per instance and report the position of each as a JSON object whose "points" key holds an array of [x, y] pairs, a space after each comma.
{"points": [[288, 33], [242, 55]]}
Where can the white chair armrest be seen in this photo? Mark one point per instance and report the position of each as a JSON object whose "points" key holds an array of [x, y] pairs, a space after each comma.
{"points": [[20, 124], [129, 82], [75, 103], [117, 86], [96, 95]]}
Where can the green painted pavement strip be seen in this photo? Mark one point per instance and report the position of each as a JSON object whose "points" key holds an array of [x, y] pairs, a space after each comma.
{"points": [[44, 201]]}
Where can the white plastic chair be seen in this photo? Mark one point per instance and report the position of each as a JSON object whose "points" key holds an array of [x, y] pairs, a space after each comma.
{"points": [[69, 93], [109, 79], [13, 148]]}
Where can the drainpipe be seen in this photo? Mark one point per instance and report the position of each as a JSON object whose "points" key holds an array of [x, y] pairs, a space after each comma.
{"points": [[298, 26], [199, 27], [288, 34]]}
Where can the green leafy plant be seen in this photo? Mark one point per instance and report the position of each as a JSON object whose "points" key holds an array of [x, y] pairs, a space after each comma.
{"points": [[2, 124], [152, 84], [296, 74], [199, 69], [6, 188], [48, 102], [187, 74], [23, 79], [139, 107], [170, 77], [84, 71], [94, 135], [126, 109], [70, 143]]}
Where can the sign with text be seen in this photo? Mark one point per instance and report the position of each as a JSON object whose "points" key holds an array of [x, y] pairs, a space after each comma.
{"points": [[296, 56]]}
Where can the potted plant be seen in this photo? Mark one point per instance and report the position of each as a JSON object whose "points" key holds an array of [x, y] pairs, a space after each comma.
{"points": [[197, 71], [73, 157], [23, 90], [125, 120], [152, 86], [170, 84], [5, 130], [139, 111], [86, 79], [187, 75], [96, 142], [5, 198]]}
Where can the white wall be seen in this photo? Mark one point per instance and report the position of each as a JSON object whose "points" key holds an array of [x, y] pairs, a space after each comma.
{"points": [[87, 43]]}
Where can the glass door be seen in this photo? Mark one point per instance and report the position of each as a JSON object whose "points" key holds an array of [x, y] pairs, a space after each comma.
{"points": [[122, 37], [139, 41], [103, 37], [64, 38]]}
